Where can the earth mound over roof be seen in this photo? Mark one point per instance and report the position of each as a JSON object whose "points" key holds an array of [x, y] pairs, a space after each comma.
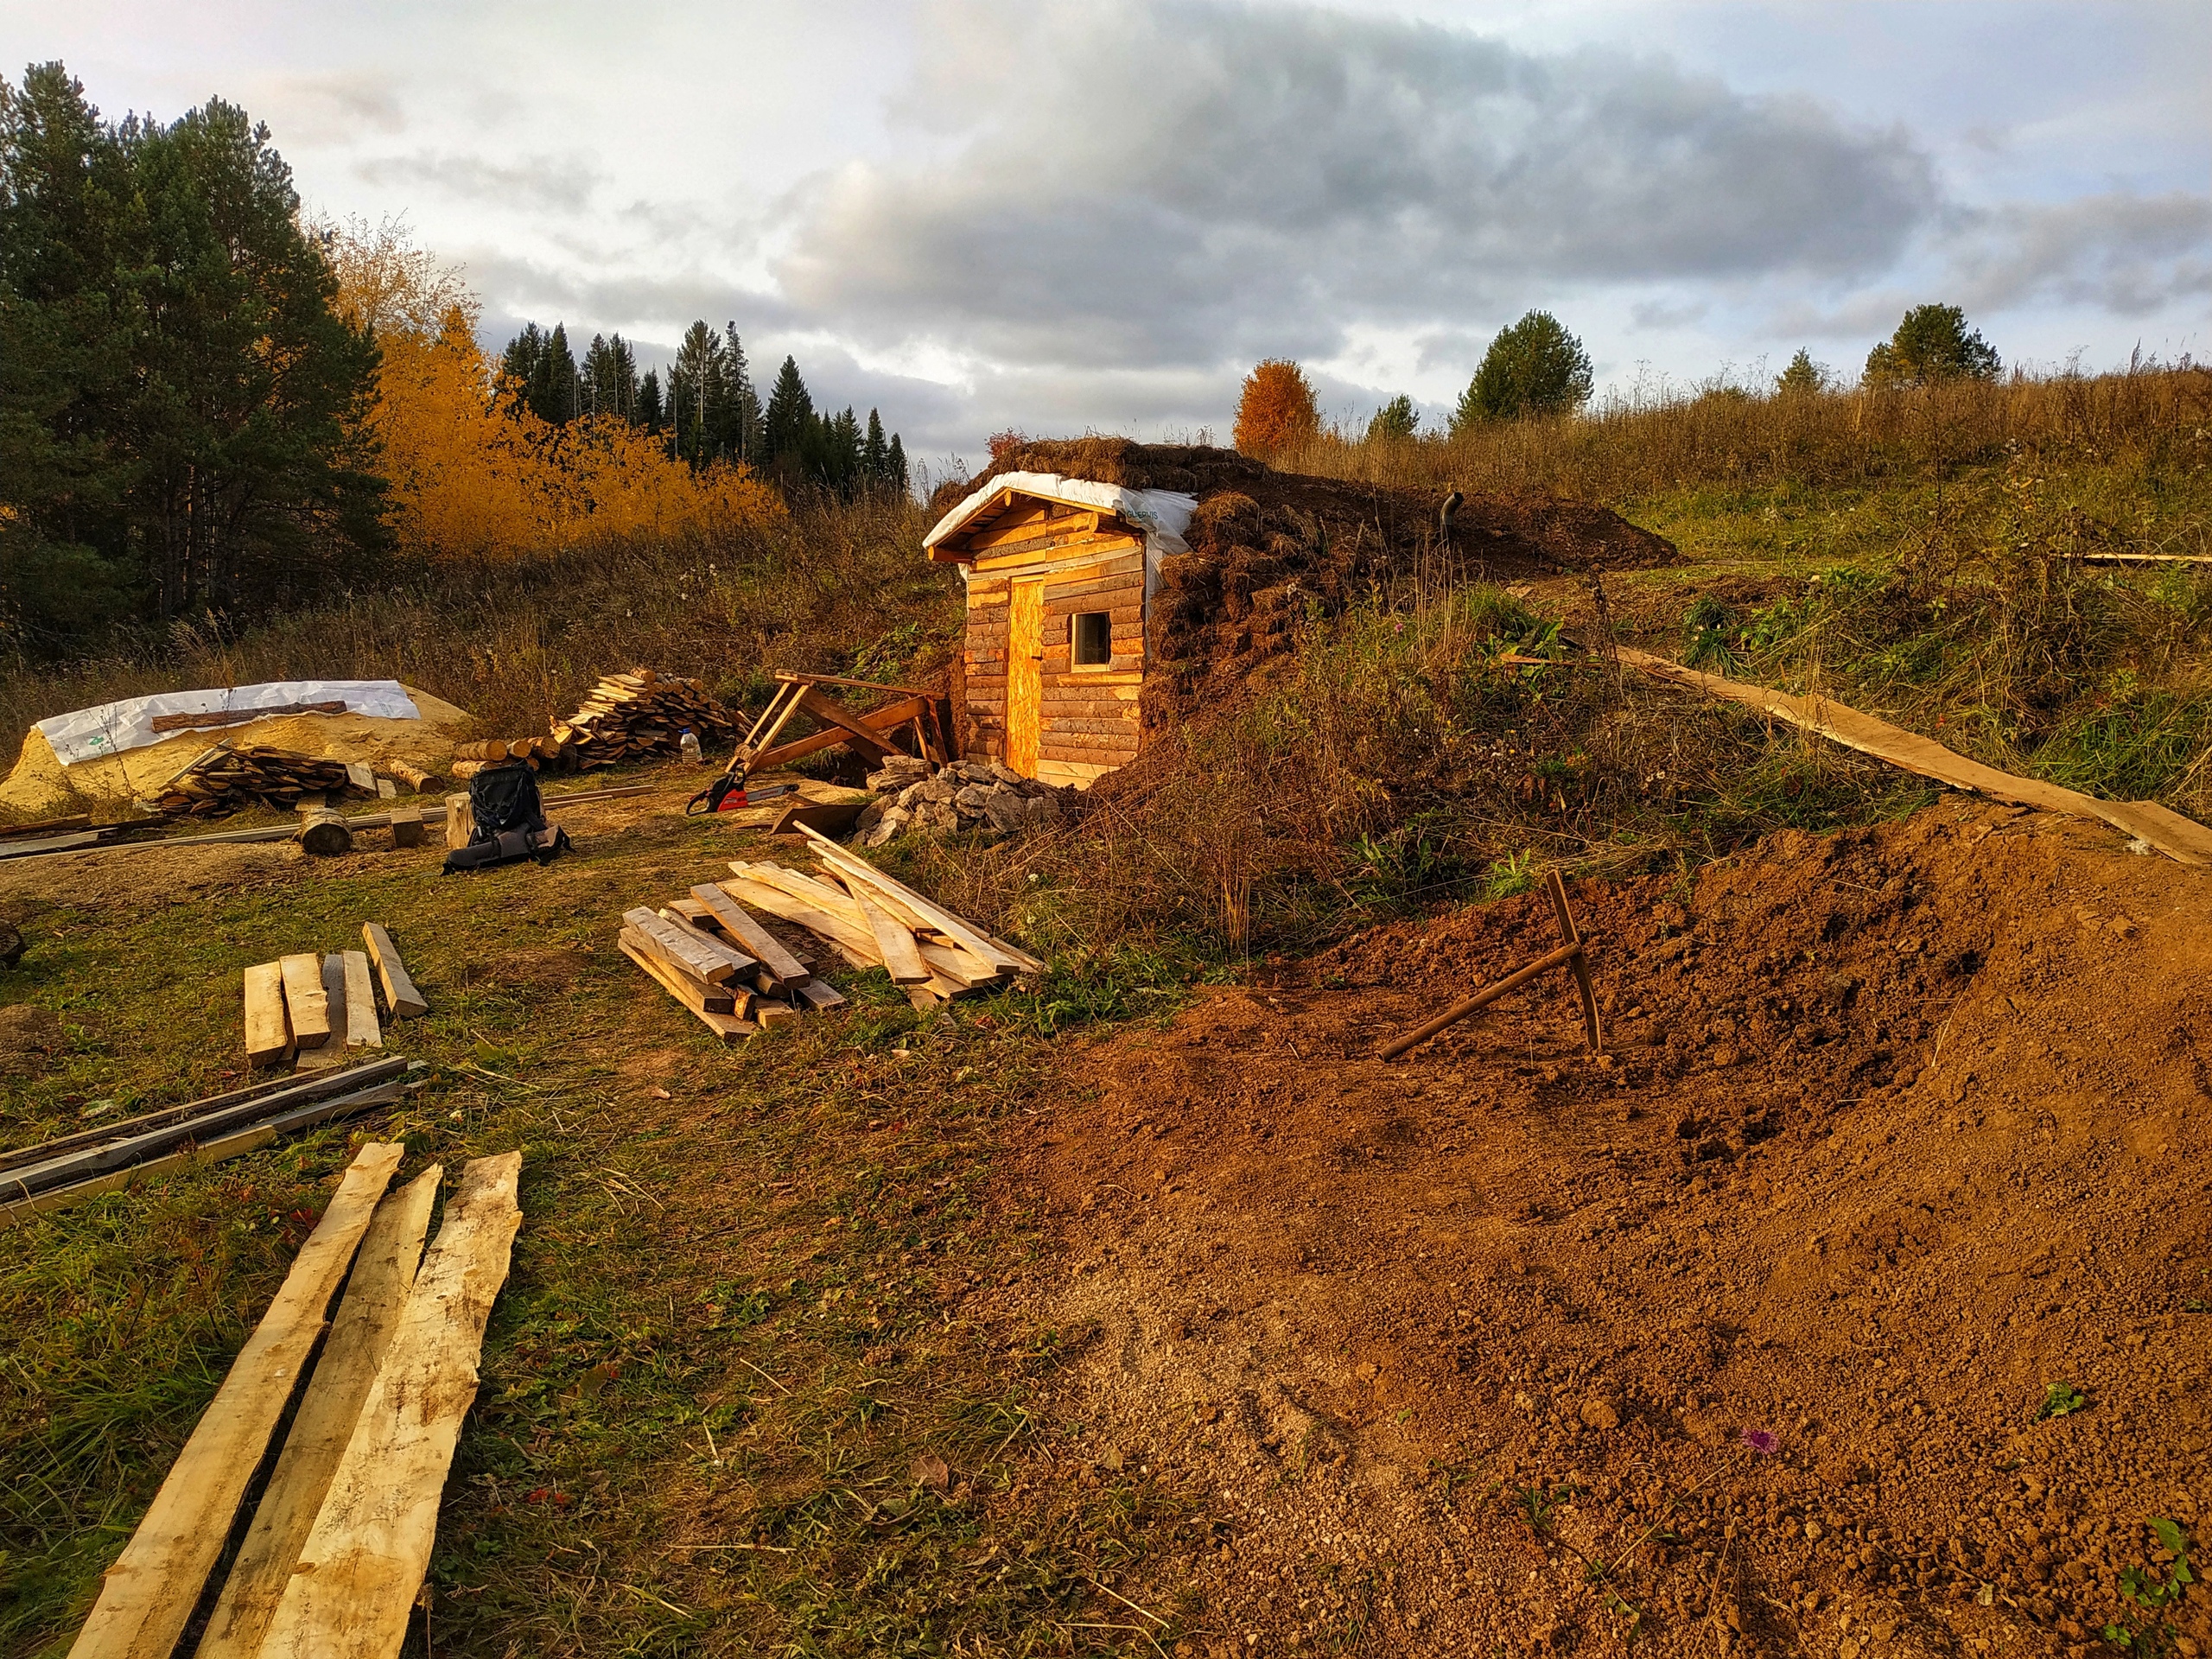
{"points": [[1268, 547]]}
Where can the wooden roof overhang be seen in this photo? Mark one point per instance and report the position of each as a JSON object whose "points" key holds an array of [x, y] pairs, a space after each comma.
{"points": [[1016, 518]]}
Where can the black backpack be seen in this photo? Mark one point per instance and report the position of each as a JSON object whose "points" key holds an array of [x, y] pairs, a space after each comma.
{"points": [[510, 822]]}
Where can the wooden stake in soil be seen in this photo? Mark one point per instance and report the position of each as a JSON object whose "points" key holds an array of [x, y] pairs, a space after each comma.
{"points": [[149, 1594], [1569, 955]]}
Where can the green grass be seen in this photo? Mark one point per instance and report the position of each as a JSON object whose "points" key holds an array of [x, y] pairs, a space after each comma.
{"points": [[736, 1316]]}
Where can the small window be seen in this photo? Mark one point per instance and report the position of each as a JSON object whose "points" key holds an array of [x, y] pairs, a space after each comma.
{"points": [[1094, 638]]}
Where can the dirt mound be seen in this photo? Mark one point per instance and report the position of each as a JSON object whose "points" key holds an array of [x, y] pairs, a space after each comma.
{"points": [[39, 781], [1899, 1132], [1269, 548]]}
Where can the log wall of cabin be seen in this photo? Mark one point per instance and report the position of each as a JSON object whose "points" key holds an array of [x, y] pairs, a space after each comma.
{"points": [[1090, 723]]}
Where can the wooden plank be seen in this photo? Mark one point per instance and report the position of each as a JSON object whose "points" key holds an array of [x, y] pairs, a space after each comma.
{"points": [[384, 1271], [268, 1028], [400, 996], [775, 960], [344, 1103], [726, 1027], [778, 1014], [963, 968], [702, 957], [693, 992], [743, 965], [855, 941], [305, 1005], [886, 719], [362, 1030], [953, 927], [1076, 774], [861, 736], [147, 1596], [902, 960], [364, 1559], [333, 1053], [818, 995], [831, 900]]}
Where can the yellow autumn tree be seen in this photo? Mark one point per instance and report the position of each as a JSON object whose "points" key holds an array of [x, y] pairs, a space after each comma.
{"points": [[1276, 410], [472, 475]]}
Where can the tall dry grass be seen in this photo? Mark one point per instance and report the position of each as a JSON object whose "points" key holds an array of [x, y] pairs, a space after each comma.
{"points": [[835, 587], [1636, 445]]}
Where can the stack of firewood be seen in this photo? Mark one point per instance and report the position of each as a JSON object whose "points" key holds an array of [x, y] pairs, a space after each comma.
{"points": [[627, 717], [232, 779], [630, 715]]}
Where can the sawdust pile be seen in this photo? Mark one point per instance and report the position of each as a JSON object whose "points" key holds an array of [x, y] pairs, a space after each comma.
{"points": [[39, 781], [1900, 1143]]}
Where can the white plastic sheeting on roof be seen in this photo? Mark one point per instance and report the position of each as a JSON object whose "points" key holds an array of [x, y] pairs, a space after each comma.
{"points": [[129, 724], [1161, 514]]}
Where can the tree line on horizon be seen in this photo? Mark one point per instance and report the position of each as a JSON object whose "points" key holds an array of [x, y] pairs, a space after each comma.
{"points": [[708, 410], [1537, 367]]}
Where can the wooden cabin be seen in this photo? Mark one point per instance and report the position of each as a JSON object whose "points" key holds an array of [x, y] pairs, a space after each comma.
{"points": [[1059, 574]]}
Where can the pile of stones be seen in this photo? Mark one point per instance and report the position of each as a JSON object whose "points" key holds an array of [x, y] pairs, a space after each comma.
{"points": [[965, 795]]}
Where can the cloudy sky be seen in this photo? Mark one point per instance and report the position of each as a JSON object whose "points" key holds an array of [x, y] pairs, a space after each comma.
{"points": [[1096, 216]]}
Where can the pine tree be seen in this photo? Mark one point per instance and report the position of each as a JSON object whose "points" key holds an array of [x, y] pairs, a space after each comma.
{"points": [[1534, 366], [1932, 343], [518, 364], [787, 426], [1394, 423], [896, 468], [610, 379], [742, 421], [875, 455]]}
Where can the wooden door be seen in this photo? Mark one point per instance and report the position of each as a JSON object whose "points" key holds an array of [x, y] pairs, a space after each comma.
{"points": [[1025, 676]]}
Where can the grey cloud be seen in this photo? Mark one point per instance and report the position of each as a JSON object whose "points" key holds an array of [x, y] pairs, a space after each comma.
{"points": [[2123, 253], [539, 180], [334, 108], [1152, 181]]}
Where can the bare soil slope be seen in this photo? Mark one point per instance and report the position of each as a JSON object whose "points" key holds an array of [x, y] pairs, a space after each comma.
{"points": [[1901, 1127]]}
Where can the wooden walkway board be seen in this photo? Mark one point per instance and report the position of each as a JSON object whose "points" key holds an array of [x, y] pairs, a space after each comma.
{"points": [[390, 1251], [358, 1574], [149, 1594], [400, 996]]}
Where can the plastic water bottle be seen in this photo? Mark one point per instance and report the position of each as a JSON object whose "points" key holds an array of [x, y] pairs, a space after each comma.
{"points": [[690, 744]]}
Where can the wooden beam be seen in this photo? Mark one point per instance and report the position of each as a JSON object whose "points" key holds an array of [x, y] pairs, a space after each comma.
{"points": [[268, 1028], [362, 1030], [877, 720], [857, 732], [688, 988], [726, 1027], [384, 1271], [363, 1562], [147, 1596], [901, 959], [304, 1002], [855, 941], [776, 961], [700, 957], [930, 912], [400, 996]]}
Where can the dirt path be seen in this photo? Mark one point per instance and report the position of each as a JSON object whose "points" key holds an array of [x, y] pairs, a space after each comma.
{"points": [[1903, 1128]]}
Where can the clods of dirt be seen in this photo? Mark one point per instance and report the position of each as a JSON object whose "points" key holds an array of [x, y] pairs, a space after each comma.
{"points": [[1860, 1299]]}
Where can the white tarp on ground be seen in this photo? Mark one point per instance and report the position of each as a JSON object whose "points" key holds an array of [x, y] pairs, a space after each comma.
{"points": [[1162, 514], [114, 727]]}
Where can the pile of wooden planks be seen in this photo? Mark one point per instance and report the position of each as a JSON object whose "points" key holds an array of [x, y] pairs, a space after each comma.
{"points": [[874, 920], [627, 717], [315, 1009], [226, 780], [333, 1561], [58, 1173], [710, 955]]}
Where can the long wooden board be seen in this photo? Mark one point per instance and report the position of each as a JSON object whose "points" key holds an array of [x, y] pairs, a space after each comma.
{"points": [[304, 1001], [400, 996], [384, 1272], [334, 1052], [362, 1030], [901, 959], [780, 965], [149, 1594], [2181, 839], [855, 941], [726, 1027], [968, 938], [268, 1028], [365, 1557], [693, 992], [702, 957]]}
